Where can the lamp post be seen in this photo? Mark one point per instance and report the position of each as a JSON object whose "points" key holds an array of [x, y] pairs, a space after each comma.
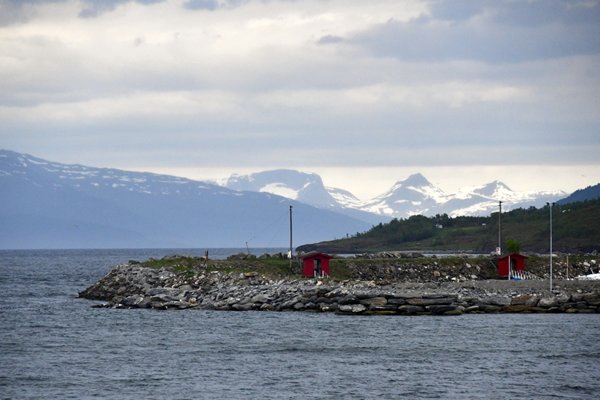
{"points": [[550, 206]]}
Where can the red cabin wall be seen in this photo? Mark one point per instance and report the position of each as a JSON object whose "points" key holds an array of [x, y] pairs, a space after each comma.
{"points": [[325, 266], [503, 264], [503, 267], [308, 266]]}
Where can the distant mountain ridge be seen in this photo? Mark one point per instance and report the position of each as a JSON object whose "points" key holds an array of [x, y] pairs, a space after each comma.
{"points": [[46, 204], [303, 187], [588, 193], [413, 196]]}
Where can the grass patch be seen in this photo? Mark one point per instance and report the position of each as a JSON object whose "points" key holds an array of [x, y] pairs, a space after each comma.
{"points": [[339, 269], [179, 264], [270, 267]]}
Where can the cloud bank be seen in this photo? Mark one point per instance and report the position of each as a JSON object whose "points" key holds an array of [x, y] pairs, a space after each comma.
{"points": [[306, 83]]}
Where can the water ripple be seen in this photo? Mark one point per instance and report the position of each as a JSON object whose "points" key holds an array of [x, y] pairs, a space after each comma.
{"points": [[53, 345]]}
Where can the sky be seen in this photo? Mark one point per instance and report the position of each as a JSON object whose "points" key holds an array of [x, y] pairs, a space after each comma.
{"points": [[363, 93]]}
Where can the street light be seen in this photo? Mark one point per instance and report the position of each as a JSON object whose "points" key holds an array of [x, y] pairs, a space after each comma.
{"points": [[550, 205]]}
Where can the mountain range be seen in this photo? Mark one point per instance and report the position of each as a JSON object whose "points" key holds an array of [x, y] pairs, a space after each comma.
{"points": [[46, 204], [304, 187], [413, 196]]}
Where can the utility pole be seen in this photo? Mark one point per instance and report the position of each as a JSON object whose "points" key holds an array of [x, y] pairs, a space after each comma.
{"points": [[290, 252], [500, 229], [550, 206]]}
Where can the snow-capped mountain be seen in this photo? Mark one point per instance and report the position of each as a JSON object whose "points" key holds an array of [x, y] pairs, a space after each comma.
{"points": [[483, 200], [304, 187], [416, 195], [46, 204], [301, 186], [412, 196]]}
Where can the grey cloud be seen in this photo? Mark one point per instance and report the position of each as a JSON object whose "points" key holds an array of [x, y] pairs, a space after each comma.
{"points": [[542, 12], [524, 13], [201, 5], [212, 5], [93, 8], [329, 39], [510, 32], [560, 113], [456, 10], [19, 11], [214, 146]]}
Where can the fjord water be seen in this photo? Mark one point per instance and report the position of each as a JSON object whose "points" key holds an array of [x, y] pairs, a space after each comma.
{"points": [[56, 346]]}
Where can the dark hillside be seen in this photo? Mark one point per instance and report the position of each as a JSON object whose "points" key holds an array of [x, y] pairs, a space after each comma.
{"points": [[589, 193], [576, 228]]}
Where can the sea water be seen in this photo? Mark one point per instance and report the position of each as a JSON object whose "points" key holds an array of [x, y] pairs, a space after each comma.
{"points": [[54, 345]]}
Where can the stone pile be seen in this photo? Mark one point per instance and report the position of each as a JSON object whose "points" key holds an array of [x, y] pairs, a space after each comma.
{"points": [[407, 267], [135, 286], [389, 254], [421, 270]]}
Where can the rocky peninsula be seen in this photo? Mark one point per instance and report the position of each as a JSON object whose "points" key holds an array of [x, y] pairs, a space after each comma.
{"points": [[390, 285]]}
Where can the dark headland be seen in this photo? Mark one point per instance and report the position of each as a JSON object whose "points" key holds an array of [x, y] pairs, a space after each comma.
{"points": [[387, 284]]}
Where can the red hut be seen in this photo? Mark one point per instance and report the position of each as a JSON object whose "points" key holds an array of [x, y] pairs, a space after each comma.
{"points": [[316, 264], [517, 263]]}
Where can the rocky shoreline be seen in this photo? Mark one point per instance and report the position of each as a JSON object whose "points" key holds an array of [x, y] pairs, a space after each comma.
{"points": [[134, 285]]}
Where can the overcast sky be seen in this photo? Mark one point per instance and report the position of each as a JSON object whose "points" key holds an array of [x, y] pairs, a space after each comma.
{"points": [[362, 92]]}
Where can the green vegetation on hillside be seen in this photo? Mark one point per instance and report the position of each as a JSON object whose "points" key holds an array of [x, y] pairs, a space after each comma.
{"points": [[576, 228]]}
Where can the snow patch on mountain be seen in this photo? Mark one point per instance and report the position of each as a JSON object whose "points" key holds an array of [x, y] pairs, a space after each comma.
{"points": [[280, 189], [41, 172], [344, 197], [301, 186]]}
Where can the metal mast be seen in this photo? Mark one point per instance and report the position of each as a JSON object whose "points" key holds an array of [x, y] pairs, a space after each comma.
{"points": [[500, 229], [550, 204], [290, 252]]}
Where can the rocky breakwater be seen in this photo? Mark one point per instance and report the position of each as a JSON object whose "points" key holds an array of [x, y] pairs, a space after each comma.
{"points": [[136, 286]]}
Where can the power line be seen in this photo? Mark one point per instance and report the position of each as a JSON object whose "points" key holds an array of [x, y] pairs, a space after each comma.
{"points": [[267, 227]]}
